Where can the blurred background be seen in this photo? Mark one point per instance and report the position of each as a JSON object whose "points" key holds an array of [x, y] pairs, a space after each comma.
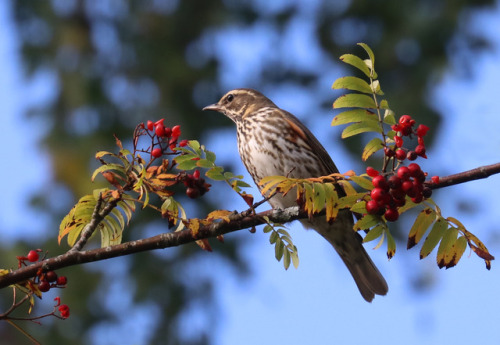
{"points": [[75, 72]]}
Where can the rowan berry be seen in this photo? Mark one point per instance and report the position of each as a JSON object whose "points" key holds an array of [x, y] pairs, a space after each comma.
{"points": [[400, 154], [160, 131], [51, 276], [371, 172], [414, 169], [422, 130], [372, 207], [404, 173], [150, 125], [420, 150], [33, 256], [380, 182], [156, 152], [394, 182], [412, 155], [62, 280], [391, 214], [378, 194], [44, 286], [176, 131]]}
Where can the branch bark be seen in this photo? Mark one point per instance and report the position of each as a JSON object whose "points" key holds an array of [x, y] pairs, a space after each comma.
{"points": [[238, 221]]}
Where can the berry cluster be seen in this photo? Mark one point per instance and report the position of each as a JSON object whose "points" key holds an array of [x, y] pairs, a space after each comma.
{"points": [[44, 280], [392, 189], [196, 185], [390, 193], [405, 128], [166, 137]]}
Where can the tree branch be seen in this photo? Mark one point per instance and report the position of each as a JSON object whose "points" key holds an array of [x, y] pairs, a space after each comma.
{"points": [[238, 221]]}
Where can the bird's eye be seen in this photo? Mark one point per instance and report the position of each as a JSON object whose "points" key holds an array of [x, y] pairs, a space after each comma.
{"points": [[230, 97]]}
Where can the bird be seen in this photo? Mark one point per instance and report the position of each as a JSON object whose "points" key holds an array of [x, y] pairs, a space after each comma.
{"points": [[271, 141]]}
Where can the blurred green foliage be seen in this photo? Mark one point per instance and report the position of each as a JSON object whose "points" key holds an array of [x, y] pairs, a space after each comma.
{"points": [[114, 63]]}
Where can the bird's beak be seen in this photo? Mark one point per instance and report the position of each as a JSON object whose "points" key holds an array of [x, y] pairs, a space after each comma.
{"points": [[214, 107]]}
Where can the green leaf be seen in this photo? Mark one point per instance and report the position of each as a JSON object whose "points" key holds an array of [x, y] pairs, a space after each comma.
{"points": [[107, 167], [286, 259], [279, 248], [362, 127], [367, 222], [374, 233], [352, 83], [422, 223], [435, 235], [357, 62], [384, 104], [354, 100], [362, 182], [215, 174], [359, 207], [187, 164], [449, 238], [453, 256], [210, 156], [368, 51], [354, 115], [195, 145], [373, 146], [391, 244], [204, 163], [319, 197], [389, 117], [375, 86], [274, 237], [295, 257]]}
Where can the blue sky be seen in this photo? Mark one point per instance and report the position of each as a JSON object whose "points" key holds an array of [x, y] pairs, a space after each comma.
{"points": [[318, 303]]}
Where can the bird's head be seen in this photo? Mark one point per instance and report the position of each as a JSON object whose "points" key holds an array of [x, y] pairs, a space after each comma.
{"points": [[239, 103]]}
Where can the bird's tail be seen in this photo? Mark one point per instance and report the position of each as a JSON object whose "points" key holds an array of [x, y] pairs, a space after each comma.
{"points": [[348, 245]]}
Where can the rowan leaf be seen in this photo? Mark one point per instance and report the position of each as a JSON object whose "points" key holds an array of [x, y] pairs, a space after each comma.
{"points": [[354, 115], [352, 83], [447, 242], [366, 222], [361, 127], [373, 146], [425, 218], [357, 62], [374, 233], [435, 235], [354, 100], [362, 182]]}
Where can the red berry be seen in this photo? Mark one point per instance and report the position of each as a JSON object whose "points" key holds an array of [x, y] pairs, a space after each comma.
{"points": [[422, 130], [150, 125], [380, 182], [183, 143], [400, 154], [193, 193], [391, 214], [405, 120], [389, 152], [398, 194], [417, 199], [426, 192], [399, 202], [420, 150], [62, 280], [435, 179], [371, 172], [156, 152], [398, 140], [394, 182], [51, 276], [404, 173], [44, 286], [378, 194], [160, 130], [32, 256], [176, 131], [411, 155], [372, 207], [407, 186], [159, 122], [396, 128], [414, 169]]}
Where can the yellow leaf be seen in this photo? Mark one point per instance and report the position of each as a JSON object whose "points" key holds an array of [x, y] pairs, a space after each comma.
{"points": [[422, 223], [220, 214]]}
